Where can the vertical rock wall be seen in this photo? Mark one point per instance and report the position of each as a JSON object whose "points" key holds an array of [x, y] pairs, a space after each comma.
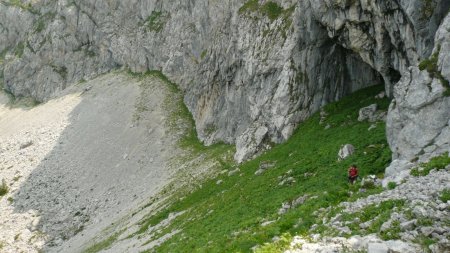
{"points": [[251, 70]]}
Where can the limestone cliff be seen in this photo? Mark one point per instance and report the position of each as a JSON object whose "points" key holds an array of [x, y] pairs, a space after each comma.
{"points": [[251, 70]]}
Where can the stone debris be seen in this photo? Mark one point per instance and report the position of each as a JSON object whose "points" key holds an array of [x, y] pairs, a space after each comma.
{"points": [[371, 114], [293, 204], [422, 206], [397, 171], [233, 172], [263, 166], [26, 144], [250, 143]]}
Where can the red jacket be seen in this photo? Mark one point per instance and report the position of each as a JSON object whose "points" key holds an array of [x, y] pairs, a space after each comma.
{"points": [[353, 172]]}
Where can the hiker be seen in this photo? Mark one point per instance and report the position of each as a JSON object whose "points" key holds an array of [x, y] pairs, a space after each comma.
{"points": [[352, 174]]}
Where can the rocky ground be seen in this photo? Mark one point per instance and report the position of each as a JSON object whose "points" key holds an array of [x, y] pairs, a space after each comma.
{"points": [[422, 219], [78, 162]]}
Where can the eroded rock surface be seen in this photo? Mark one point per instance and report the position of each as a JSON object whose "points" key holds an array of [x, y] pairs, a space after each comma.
{"points": [[238, 65]]}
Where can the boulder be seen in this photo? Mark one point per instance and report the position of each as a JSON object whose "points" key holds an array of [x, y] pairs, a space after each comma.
{"points": [[367, 113], [346, 151], [397, 246], [397, 171], [377, 247], [250, 143], [263, 166]]}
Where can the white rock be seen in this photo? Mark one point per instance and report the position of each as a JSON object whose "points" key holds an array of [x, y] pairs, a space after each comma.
{"points": [[346, 151], [375, 247]]}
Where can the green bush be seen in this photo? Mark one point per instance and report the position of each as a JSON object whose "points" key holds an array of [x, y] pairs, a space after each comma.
{"points": [[157, 20], [391, 185], [18, 51], [431, 66], [3, 188], [249, 6], [445, 195], [438, 163], [393, 233], [272, 10]]}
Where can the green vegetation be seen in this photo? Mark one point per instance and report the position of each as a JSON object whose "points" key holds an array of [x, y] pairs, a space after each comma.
{"points": [[102, 245], [445, 195], [3, 188], [227, 217], [393, 233], [61, 70], [18, 51], [428, 7], [438, 163], [431, 66], [180, 119], [157, 20], [424, 221], [391, 185], [203, 54], [249, 6], [19, 4], [279, 246], [270, 9], [2, 56], [43, 20], [15, 102], [425, 242], [378, 214]]}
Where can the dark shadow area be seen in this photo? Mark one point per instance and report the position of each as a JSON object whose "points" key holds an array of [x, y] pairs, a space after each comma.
{"points": [[110, 157]]}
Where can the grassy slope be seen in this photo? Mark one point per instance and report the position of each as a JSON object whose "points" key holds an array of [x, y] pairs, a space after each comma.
{"points": [[227, 217]]}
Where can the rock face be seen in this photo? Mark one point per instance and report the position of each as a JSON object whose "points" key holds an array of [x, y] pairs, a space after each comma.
{"points": [[419, 116], [242, 64]]}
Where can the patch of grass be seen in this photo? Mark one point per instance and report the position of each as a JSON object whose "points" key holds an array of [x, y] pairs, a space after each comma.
{"points": [[102, 245], [431, 66], [16, 102], [249, 6], [428, 7], [2, 56], [438, 163], [18, 51], [279, 246], [425, 242], [391, 185], [203, 54], [227, 217], [393, 233], [157, 20], [4, 189], [377, 213], [19, 4], [445, 195], [270, 9], [424, 221]]}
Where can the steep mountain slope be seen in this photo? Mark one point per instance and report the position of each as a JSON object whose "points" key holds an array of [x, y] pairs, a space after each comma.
{"points": [[298, 188], [81, 161]]}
